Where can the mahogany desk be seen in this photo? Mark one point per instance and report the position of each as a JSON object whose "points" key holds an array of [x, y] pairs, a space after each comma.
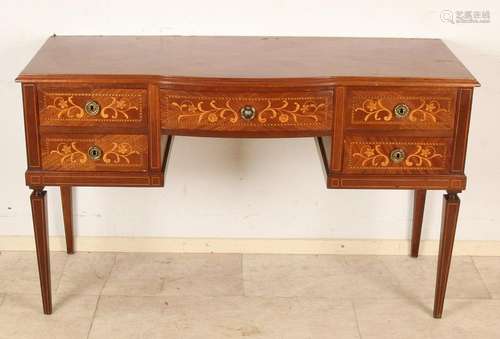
{"points": [[386, 113]]}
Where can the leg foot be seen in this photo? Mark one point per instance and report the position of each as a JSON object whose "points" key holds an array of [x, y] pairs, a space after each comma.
{"points": [[67, 207], [418, 216], [39, 211], [451, 205]]}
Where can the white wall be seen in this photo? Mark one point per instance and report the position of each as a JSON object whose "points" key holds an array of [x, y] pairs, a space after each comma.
{"points": [[252, 188]]}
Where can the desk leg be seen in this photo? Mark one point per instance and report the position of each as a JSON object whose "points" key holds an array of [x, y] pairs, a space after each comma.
{"points": [[418, 216], [451, 205], [39, 212], [67, 207]]}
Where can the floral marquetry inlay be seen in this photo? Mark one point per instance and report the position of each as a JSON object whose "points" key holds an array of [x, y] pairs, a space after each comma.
{"points": [[269, 111], [115, 106], [121, 152], [69, 152], [372, 155], [428, 111], [377, 155]]}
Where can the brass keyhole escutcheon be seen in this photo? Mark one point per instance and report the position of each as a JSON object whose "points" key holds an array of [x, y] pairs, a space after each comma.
{"points": [[401, 110], [397, 155], [95, 152], [247, 112], [92, 108]]}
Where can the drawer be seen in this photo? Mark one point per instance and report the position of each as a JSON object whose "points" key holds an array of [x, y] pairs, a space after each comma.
{"points": [[64, 152], [401, 108], [92, 107], [246, 111], [396, 155]]}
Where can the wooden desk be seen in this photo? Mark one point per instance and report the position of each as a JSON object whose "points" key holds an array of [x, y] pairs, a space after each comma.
{"points": [[386, 113]]}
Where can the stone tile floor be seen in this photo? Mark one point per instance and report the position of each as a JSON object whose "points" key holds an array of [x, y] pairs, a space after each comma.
{"points": [[158, 295]]}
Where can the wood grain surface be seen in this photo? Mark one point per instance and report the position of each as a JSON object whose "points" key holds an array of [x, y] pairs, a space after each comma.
{"points": [[246, 57]]}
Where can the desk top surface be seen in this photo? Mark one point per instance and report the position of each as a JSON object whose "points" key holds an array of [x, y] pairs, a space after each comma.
{"points": [[246, 57]]}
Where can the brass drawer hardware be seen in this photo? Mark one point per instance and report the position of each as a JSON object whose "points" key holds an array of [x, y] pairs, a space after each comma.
{"points": [[397, 155], [247, 112], [95, 152], [401, 110], [92, 108]]}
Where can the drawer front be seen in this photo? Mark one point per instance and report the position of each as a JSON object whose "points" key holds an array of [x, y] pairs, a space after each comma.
{"points": [[401, 108], [292, 111], [92, 107], [396, 155], [94, 152]]}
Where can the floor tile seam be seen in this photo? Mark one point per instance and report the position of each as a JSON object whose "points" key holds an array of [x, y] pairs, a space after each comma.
{"points": [[109, 275], [93, 316]]}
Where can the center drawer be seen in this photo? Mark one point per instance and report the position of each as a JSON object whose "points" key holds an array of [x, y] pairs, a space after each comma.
{"points": [[296, 111], [89, 152]]}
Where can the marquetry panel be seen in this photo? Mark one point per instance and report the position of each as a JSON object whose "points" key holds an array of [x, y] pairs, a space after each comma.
{"points": [[112, 107], [401, 108], [292, 111], [396, 155], [73, 152]]}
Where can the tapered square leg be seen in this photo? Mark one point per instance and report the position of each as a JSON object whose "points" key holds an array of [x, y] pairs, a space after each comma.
{"points": [[451, 206], [67, 208], [418, 216], [39, 212]]}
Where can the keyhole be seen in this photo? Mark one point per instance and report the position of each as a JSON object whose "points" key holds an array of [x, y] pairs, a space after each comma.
{"points": [[92, 108], [397, 155], [95, 153], [247, 112], [401, 110]]}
